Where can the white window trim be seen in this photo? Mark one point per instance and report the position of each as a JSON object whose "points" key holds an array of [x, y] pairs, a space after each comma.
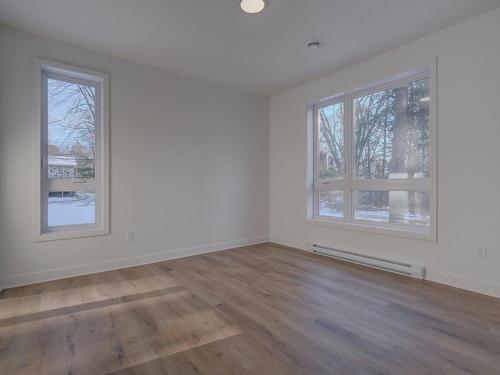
{"points": [[349, 184], [101, 227]]}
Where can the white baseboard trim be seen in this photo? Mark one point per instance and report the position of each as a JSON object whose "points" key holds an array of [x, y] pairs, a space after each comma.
{"points": [[290, 243], [89, 268], [456, 281], [463, 282]]}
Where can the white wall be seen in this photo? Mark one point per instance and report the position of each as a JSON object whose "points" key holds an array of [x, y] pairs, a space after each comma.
{"points": [[468, 156], [189, 165]]}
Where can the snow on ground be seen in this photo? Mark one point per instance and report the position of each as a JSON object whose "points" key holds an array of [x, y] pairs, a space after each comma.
{"points": [[374, 215], [76, 210]]}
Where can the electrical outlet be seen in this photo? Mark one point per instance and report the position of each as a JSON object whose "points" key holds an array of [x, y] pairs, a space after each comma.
{"points": [[482, 253], [130, 236]]}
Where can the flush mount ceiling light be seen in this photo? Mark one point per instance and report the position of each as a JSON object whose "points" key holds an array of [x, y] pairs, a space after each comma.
{"points": [[252, 6]]}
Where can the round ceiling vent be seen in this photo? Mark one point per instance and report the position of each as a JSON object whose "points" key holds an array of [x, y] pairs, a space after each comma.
{"points": [[314, 44]]}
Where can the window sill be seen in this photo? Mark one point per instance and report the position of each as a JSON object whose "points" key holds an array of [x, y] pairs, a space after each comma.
{"points": [[68, 235], [388, 231]]}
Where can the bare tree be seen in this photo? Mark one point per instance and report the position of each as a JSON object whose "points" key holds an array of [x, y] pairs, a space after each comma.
{"points": [[332, 138], [73, 117]]}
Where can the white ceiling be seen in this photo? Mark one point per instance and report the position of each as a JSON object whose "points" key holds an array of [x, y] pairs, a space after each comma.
{"points": [[215, 41]]}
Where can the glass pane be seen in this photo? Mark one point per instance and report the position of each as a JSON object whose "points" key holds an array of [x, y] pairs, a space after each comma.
{"points": [[393, 207], [71, 111], [331, 141], [71, 207], [391, 133], [331, 203]]}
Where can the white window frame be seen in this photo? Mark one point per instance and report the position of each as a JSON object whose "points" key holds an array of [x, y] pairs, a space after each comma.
{"points": [[42, 184], [349, 184]]}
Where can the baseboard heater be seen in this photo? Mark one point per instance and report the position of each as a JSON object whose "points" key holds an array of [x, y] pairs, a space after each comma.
{"points": [[412, 270]]}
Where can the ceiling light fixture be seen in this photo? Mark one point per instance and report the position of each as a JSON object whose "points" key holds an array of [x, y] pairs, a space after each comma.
{"points": [[252, 6]]}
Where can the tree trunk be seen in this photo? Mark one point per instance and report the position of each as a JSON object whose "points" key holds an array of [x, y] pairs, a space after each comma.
{"points": [[398, 200]]}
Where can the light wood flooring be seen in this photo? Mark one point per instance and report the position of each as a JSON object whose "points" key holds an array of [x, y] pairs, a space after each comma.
{"points": [[260, 310]]}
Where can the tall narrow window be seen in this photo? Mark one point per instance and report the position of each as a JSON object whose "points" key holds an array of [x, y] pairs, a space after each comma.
{"points": [[73, 148], [372, 152]]}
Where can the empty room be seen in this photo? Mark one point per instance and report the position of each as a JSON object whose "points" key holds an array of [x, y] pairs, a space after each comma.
{"points": [[254, 187]]}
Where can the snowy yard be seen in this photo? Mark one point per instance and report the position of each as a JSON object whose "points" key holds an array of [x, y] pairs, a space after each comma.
{"points": [[79, 209], [334, 209]]}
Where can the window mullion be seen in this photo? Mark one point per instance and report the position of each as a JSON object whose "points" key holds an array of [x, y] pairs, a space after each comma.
{"points": [[61, 184], [420, 184], [348, 156], [330, 185]]}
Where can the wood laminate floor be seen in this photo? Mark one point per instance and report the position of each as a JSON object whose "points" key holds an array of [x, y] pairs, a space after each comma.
{"points": [[255, 310]]}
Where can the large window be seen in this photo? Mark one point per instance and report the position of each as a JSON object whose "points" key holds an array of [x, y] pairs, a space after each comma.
{"points": [[373, 157], [73, 152]]}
